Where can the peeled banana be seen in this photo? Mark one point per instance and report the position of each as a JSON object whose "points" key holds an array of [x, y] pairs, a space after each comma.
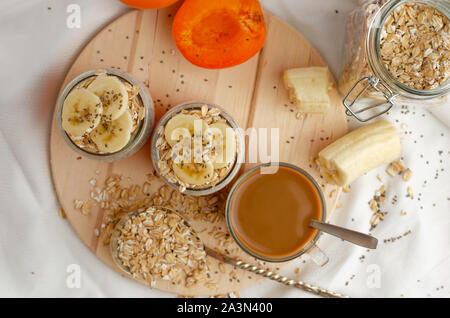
{"points": [[81, 112], [111, 136], [359, 151], [308, 88], [112, 93]]}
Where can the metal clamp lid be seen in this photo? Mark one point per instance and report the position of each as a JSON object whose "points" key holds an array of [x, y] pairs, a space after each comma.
{"points": [[378, 86]]}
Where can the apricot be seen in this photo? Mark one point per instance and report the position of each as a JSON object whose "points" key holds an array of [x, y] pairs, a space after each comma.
{"points": [[219, 33]]}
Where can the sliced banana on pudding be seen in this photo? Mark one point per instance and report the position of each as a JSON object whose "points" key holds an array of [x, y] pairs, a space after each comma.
{"points": [[81, 112], [223, 143], [113, 95], [171, 131], [111, 136], [194, 173]]}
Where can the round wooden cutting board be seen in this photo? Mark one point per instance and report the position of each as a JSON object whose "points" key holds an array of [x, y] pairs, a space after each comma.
{"points": [[140, 42]]}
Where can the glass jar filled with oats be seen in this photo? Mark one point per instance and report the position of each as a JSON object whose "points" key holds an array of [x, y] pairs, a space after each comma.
{"points": [[396, 50]]}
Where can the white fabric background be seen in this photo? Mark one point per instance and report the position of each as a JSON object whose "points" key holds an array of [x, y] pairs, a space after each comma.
{"points": [[36, 245]]}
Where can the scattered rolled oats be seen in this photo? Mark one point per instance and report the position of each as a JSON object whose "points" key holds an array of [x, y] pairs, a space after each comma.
{"points": [[395, 168], [83, 206], [376, 217], [86, 208], [374, 204], [380, 194], [78, 204], [222, 267], [407, 175], [410, 193], [389, 172]]}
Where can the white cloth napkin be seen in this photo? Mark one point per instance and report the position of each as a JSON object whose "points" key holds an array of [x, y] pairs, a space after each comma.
{"points": [[37, 247]]}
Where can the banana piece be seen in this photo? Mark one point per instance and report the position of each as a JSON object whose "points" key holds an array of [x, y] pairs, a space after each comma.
{"points": [[112, 93], [81, 112], [111, 136], [194, 173], [359, 152], [308, 88], [171, 133], [224, 145]]}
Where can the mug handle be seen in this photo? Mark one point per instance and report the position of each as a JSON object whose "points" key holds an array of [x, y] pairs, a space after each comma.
{"points": [[317, 255]]}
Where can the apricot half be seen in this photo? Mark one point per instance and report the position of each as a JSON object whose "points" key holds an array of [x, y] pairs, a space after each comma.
{"points": [[219, 33]]}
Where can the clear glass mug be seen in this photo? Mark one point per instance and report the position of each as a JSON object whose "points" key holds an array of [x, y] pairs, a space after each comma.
{"points": [[310, 248], [375, 82]]}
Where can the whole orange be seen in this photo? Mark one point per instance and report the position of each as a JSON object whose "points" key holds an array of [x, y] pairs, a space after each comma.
{"points": [[148, 4]]}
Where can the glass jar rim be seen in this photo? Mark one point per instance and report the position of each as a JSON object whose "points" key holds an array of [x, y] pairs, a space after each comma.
{"points": [[241, 179], [376, 64]]}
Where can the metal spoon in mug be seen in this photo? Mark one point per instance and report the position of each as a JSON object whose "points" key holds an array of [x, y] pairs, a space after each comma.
{"points": [[240, 264], [354, 237]]}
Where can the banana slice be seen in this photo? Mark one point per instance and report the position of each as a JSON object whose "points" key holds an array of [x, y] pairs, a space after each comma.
{"points": [[223, 143], [111, 136], [194, 173], [81, 112], [181, 121], [112, 93], [359, 151]]}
